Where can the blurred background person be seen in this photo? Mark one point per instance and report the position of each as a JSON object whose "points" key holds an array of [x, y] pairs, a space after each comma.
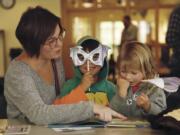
{"points": [[130, 31], [173, 41]]}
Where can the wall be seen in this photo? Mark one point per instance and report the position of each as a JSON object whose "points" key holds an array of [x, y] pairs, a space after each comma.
{"points": [[9, 18]]}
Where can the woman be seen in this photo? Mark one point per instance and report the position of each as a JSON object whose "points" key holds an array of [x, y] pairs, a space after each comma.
{"points": [[29, 81]]}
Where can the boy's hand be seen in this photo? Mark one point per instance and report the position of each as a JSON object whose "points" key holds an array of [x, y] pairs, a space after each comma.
{"points": [[143, 102], [87, 81], [123, 86]]}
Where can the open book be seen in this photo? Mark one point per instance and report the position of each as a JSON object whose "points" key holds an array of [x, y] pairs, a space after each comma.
{"points": [[130, 123], [82, 125], [86, 125]]}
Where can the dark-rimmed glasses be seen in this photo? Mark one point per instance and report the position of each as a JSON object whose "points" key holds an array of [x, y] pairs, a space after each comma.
{"points": [[53, 41]]}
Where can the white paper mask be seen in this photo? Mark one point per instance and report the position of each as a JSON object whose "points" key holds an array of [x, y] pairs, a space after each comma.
{"points": [[96, 56]]}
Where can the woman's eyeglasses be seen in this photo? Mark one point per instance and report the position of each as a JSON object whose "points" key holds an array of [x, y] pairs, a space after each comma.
{"points": [[53, 41]]}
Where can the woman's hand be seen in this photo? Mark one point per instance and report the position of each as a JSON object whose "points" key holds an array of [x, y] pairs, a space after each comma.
{"points": [[87, 81], [143, 102], [105, 113], [122, 86]]}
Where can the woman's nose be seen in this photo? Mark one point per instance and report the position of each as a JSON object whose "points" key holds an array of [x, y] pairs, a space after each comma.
{"points": [[59, 43]]}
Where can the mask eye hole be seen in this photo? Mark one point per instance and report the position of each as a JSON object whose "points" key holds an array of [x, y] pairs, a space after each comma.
{"points": [[95, 56], [81, 57]]}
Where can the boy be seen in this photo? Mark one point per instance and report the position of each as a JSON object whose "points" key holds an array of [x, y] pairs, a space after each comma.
{"points": [[91, 70]]}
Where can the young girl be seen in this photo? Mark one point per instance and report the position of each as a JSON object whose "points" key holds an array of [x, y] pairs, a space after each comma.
{"points": [[136, 98], [91, 70]]}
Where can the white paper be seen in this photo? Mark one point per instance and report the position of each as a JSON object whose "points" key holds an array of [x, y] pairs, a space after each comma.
{"points": [[171, 84], [159, 82]]}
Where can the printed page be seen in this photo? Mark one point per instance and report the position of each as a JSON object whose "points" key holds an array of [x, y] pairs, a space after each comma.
{"points": [[175, 114], [18, 130], [3, 125]]}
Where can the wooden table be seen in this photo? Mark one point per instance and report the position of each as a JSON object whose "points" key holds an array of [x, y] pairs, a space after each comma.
{"points": [[41, 130]]}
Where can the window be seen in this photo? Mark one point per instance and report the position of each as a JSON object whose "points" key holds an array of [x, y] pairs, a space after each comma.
{"points": [[110, 35], [144, 31], [81, 27]]}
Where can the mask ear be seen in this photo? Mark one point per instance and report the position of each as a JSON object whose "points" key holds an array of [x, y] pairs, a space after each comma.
{"points": [[105, 51], [71, 52]]}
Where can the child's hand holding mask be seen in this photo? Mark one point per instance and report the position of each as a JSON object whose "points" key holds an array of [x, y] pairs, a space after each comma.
{"points": [[87, 81]]}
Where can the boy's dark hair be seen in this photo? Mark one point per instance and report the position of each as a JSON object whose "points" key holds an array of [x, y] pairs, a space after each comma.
{"points": [[90, 44], [34, 28]]}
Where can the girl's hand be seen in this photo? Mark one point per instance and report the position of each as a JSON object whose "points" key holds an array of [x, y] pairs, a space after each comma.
{"points": [[143, 102], [87, 81], [106, 114], [123, 86]]}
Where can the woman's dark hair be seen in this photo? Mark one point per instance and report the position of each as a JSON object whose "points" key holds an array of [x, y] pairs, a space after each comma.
{"points": [[90, 44], [34, 28]]}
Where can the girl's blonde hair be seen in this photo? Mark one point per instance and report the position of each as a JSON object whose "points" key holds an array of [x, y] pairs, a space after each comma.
{"points": [[135, 55]]}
